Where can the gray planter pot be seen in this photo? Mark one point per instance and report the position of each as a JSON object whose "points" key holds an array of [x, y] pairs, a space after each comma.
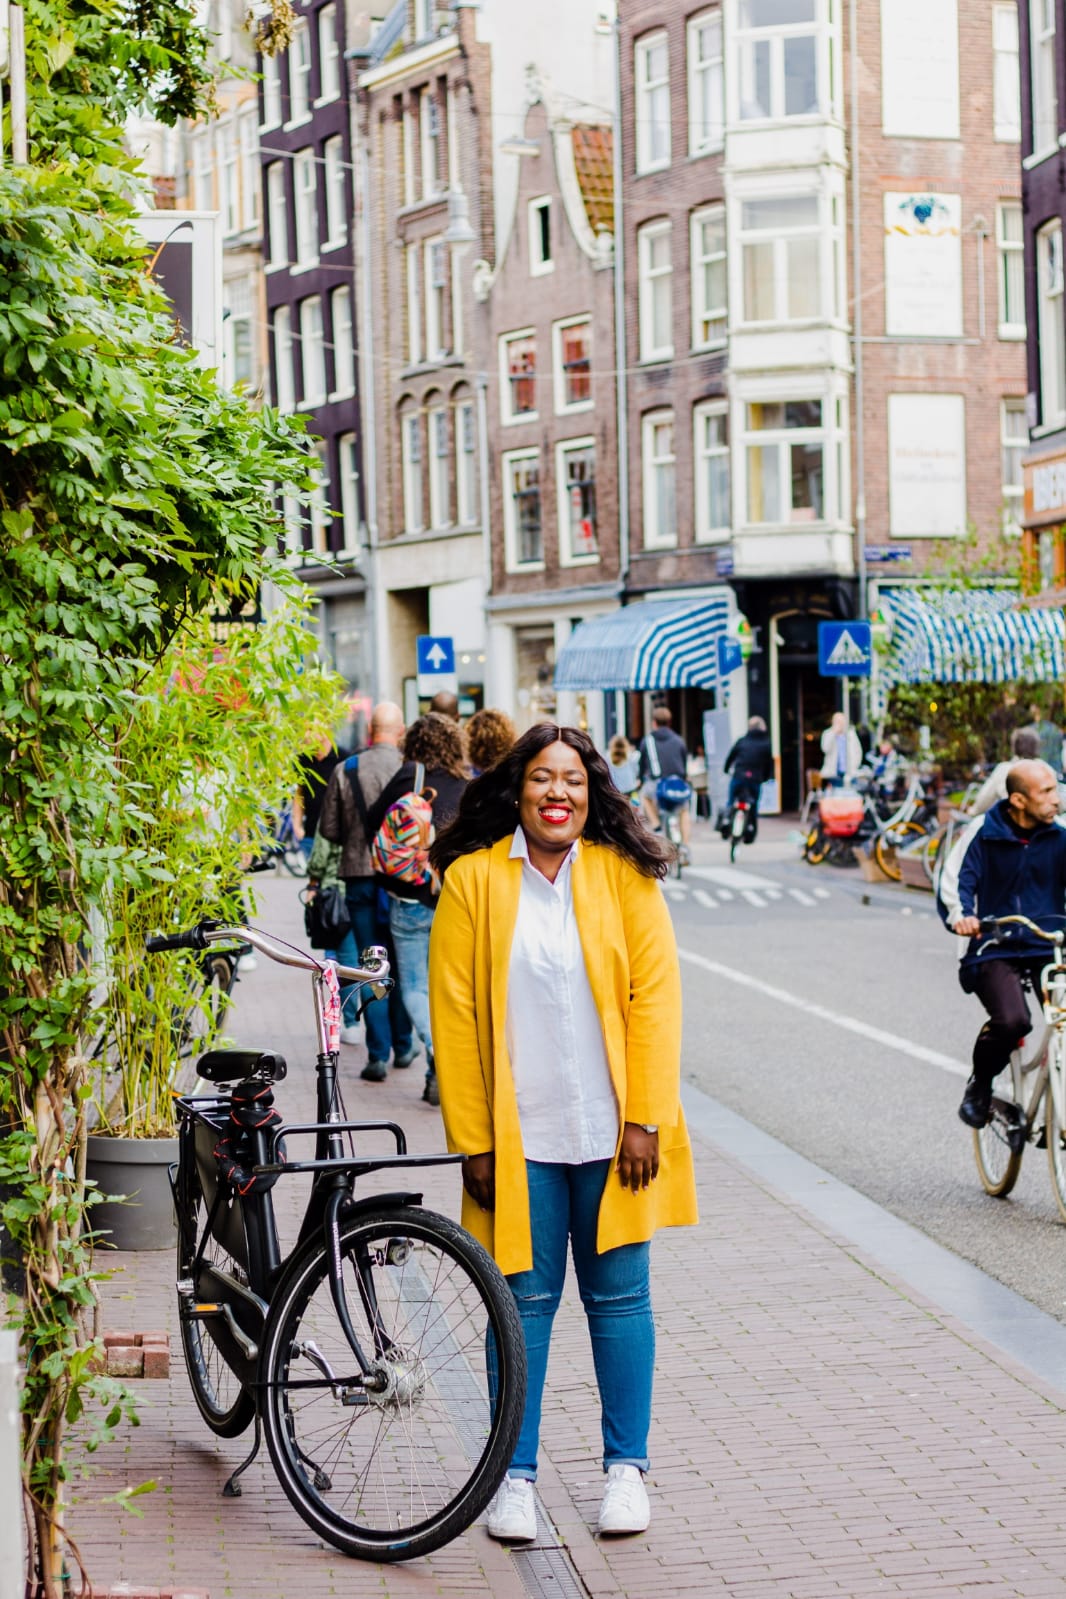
{"points": [[137, 1168]]}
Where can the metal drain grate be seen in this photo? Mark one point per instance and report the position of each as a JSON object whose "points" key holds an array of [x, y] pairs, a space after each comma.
{"points": [[548, 1573]]}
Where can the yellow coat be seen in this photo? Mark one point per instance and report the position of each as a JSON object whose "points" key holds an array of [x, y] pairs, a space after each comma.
{"points": [[632, 965]]}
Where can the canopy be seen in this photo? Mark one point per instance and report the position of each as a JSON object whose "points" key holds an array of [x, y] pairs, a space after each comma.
{"points": [[650, 644], [972, 636]]}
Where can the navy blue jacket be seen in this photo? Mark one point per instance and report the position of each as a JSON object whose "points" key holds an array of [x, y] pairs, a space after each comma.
{"points": [[991, 871]]}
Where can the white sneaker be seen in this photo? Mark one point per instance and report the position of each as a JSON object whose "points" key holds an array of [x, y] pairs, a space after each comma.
{"points": [[352, 1035], [513, 1512], [624, 1507]]}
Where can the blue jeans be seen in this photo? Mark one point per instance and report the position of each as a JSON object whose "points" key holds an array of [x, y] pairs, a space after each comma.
{"points": [[564, 1204], [388, 1026], [409, 924]]}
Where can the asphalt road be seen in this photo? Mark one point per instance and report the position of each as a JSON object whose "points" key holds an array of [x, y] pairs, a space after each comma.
{"points": [[801, 1063]]}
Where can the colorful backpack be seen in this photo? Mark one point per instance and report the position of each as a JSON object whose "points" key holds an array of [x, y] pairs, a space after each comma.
{"points": [[401, 845]]}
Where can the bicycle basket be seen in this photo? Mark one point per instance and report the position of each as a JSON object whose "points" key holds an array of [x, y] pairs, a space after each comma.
{"points": [[841, 814]]}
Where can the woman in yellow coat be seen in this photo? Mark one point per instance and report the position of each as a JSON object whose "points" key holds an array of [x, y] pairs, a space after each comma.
{"points": [[556, 1013]]}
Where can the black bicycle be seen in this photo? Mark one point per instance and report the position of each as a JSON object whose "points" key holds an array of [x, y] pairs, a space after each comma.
{"points": [[383, 1357]]}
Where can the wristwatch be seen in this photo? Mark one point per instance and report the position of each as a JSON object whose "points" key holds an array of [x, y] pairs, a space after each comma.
{"points": [[648, 1127]]}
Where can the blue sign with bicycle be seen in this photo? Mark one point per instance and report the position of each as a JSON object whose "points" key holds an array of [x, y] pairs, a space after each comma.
{"points": [[845, 649]]}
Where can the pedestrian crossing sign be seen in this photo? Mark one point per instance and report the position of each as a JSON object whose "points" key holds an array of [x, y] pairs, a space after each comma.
{"points": [[845, 649]]}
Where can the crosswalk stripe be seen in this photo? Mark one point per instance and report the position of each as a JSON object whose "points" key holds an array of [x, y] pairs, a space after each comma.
{"points": [[801, 895], [725, 893], [705, 899], [822, 893], [773, 893], [752, 898], [731, 877]]}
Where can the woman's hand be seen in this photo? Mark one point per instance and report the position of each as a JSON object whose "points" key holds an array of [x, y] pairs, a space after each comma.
{"points": [[479, 1179], [638, 1158]]}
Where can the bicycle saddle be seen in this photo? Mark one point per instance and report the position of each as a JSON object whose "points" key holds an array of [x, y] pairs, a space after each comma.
{"points": [[228, 1065]]}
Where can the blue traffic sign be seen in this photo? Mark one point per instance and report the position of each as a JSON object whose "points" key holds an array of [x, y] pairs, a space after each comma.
{"points": [[436, 656], [845, 649], [729, 655]]}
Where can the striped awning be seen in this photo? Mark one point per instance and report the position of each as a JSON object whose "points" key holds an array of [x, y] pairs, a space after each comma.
{"points": [[972, 636], [650, 644]]}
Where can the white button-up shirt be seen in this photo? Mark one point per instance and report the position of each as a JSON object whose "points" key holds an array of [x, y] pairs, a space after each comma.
{"points": [[566, 1102]]}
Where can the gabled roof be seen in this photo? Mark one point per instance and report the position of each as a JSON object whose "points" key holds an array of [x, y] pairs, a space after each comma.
{"points": [[593, 162]]}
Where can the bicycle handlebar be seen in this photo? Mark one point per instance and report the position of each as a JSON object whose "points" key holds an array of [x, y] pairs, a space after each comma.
{"points": [[993, 924], [375, 968], [195, 938]]}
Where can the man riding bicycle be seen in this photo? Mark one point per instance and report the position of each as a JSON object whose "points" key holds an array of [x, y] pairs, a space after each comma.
{"points": [[1010, 861], [752, 763]]}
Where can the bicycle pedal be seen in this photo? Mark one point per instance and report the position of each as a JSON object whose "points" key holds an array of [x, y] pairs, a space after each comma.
{"points": [[1040, 1141]]}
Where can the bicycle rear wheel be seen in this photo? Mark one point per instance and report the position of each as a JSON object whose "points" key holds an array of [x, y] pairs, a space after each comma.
{"points": [[885, 853], [203, 1017], [816, 846], [998, 1161], [394, 1474], [1056, 1130]]}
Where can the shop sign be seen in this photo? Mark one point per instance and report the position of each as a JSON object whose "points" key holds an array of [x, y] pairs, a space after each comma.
{"points": [[1045, 491]]}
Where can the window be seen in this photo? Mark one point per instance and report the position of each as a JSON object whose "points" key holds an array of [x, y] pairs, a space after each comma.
{"points": [[284, 388], [780, 259], [521, 509], [778, 43], [518, 377], [784, 450], [411, 441], [312, 352], [277, 220], [923, 265], [336, 191], [457, 302], [292, 516], [408, 157], [660, 480], [709, 313], [319, 508], [651, 60], [436, 254], [348, 459], [1006, 88], [1052, 343], [237, 331], [706, 103], [340, 302], [423, 19], [203, 178], [1011, 252], [711, 455], [655, 291], [926, 465], [271, 91], [1014, 439], [300, 74], [575, 475], [1045, 83], [229, 194], [414, 304], [249, 142], [920, 69], [430, 136], [455, 167], [329, 56], [466, 464], [439, 467], [572, 341], [306, 207], [540, 237]]}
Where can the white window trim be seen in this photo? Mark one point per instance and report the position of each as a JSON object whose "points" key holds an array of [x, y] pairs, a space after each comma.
{"points": [[277, 209], [1013, 494], [648, 422], [1008, 330], [248, 156], [1041, 151], [506, 416], [508, 459], [1058, 417], [537, 267], [298, 118], [775, 34], [304, 161], [559, 377], [823, 230], [427, 104], [696, 146], [334, 55], [567, 555], [342, 391], [413, 255], [827, 435], [703, 533], [284, 374], [1003, 133], [319, 508], [696, 277], [308, 396], [461, 454], [336, 192], [435, 301], [641, 48], [645, 319], [440, 510], [271, 73], [349, 491], [413, 515]]}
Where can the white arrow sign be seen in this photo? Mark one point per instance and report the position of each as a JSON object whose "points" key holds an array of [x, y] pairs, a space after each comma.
{"points": [[436, 657]]}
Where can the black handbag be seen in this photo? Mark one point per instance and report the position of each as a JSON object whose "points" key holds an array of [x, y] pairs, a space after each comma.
{"points": [[326, 918]]}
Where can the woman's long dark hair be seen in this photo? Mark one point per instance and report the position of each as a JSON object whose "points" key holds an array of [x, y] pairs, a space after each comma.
{"points": [[488, 810]]}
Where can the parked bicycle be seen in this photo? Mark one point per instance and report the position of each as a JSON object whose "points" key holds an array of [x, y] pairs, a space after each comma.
{"points": [[1039, 1118], [847, 818], [283, 849], [383, 1357]]}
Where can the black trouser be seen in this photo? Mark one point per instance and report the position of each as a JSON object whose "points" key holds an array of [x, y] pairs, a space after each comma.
{"points": [[998, 985]]}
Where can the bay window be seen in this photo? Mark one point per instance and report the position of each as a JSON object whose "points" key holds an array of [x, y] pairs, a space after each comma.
{"points": [[784, 448], [660, 480], [778, 45], [780, 251]]}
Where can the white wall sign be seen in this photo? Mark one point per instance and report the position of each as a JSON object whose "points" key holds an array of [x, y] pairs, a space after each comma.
{"points": [[186, 261], [926, 465], [923, 265], [920, 69]]}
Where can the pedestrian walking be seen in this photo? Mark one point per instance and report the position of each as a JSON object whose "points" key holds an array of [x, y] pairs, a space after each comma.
{"points": [[841, 752], [489, 735], [435, 743], [663, 753], [315, 772], [623, 762], [1024, 746], [353, 787], [555, 997], [445, 703], [1049, 736]]}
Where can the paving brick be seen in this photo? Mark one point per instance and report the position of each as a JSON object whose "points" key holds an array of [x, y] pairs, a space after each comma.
{"points": [[125, 1360], [156, 1360]]}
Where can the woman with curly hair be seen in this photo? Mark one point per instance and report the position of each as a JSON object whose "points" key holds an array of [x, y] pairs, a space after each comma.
{"points": [[435, 742], [556, 1003], [489, 735]]}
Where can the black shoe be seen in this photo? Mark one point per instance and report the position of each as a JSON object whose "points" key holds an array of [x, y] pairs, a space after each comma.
{"points": [[976, 1102]]}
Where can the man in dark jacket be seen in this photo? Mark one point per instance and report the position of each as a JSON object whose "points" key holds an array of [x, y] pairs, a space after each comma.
{"points": [[1010, 861], [752, 764]]}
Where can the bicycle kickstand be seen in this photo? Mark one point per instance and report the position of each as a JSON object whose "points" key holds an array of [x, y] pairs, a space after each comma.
{"points": [[232, 1490]]}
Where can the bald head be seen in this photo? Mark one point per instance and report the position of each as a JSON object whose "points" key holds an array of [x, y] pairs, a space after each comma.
{"points": [[1032, 793], [445, 704], [386, 723]]}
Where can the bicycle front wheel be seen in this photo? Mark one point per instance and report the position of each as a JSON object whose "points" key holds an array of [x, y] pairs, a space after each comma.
{"points": [[393, 1469], [998, 1160], [816, 845], [202, 1019], [885, 853], [1056, 1131]]}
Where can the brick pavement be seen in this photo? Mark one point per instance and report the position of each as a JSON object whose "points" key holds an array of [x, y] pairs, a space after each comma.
{"points": [[820, 1430]]}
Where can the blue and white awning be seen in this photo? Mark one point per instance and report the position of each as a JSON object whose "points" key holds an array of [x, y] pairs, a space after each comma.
{"points": [[648, 645], [974, 636]]}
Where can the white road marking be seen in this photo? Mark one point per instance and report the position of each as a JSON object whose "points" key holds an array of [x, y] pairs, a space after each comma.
{"points": [[802, 895], [708, 901], [725, 893], [821, 893], [774, 893], [850, 1024], [674, 889], [752, 898], [732, 877]]}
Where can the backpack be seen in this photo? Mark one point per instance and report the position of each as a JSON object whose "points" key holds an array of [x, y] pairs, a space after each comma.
{"points": [[401, 844]]}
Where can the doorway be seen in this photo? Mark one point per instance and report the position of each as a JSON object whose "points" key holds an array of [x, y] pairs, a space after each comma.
{"points": [[802, 701]]}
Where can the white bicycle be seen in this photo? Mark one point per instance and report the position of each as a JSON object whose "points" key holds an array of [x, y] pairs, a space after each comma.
{"points": [[1038, 1117]]}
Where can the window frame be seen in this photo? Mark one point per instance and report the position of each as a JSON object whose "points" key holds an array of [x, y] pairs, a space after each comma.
{"points": [[775, 35], [1013, 490], [435, 299], [644, 91], [311, 308], [342, 294], [336, 192], [348, 472], [440, 510], [698, 262], [305, 206], [509, 460], [784, 439], [413, 471], [1007, 250], [647, 277], [319, 506], [697, 67], [563, 407], [1006, 74], [1051, 362], [277, 204], [568, 556], [508, 416], [780, 239], [1042, 51], [328, 52], [429, 145], [415, 330], [203, 170], [284, 388], [704, 532], [248, 156], [466, 462], [539, 264], [270, 115], [238, 302], [654, 538], [299, 56]]}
